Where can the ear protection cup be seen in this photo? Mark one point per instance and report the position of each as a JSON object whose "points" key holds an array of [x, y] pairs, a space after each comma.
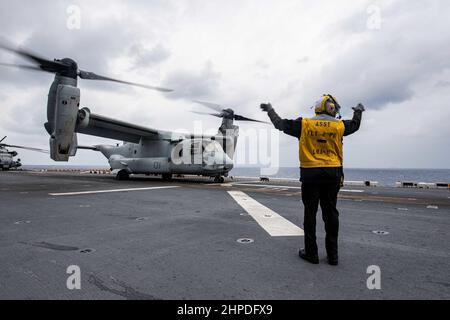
{"points": [[331, 108]]}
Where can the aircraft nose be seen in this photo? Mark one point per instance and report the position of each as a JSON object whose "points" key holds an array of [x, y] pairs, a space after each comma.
{"points": [[228, 162], [219, 161]]}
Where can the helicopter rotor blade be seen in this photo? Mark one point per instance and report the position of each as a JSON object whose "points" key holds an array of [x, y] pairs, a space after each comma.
{"points": [[93, 76], [223, 110], [40, 62], [56, 66], [20, 66], [213, 106], [23, 147], [242, 118], [3, 139]]}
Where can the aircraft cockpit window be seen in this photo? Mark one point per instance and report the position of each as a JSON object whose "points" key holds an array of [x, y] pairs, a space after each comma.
{"points": [[213, 146], [195, 148]]}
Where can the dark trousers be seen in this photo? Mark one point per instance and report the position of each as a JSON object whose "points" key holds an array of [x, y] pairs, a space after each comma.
{"points": [[324, 193]]}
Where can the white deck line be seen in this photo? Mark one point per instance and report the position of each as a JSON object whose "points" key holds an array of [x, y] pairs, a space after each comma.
{"points": [[269, 220], [109, 191], [262, 185], [284, 187]]}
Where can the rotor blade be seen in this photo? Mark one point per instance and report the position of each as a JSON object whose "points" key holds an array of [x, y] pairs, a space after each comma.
{"points": [[92, 76], [222, 109], [42, 63], [213, 106], [241, 118], [219, 115], [22, 147], [20, 66], [3, 139]]}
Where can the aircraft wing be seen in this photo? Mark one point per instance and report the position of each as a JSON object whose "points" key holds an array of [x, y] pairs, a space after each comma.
{"points": [[100, 126]]}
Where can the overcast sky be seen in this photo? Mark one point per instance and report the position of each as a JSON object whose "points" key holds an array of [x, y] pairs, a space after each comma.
{"points": [[393, 56]]}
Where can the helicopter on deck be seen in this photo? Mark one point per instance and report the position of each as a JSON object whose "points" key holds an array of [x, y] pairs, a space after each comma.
{"points": [[7, 157], [144, 150]]}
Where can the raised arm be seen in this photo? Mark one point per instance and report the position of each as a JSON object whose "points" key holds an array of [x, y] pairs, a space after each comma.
{"points": [[351, 126], [290, 127]]}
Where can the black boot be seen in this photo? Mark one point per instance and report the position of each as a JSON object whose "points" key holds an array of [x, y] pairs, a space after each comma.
{"points": [[311, 259], [333, 260]]}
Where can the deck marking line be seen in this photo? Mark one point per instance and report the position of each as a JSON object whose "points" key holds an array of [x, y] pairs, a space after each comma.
{"points": [[287, 187], [264, 185], [108, 191], [269, 220]]}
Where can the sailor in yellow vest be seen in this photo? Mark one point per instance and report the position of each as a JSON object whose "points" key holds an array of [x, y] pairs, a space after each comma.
{"points": [[321, 168]]}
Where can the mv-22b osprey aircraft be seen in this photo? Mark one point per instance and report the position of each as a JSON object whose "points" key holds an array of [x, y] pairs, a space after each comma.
{"points": [[7, 157], [145, 150]]}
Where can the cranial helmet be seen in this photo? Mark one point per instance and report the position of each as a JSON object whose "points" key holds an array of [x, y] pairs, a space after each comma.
{"points": [[327, 105]]}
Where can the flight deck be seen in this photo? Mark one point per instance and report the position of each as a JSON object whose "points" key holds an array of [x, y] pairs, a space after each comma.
{"points": [[191, 238]]}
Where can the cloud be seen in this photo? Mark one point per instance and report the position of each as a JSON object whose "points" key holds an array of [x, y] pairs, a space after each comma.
{"points": [[442, 84], [193, 84], [108, 45], [287, 53], [144, 57], [304, 59], [381, 67]]}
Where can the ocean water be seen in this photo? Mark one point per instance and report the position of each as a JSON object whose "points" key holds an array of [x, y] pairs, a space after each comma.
{"points": [[385, 177]]}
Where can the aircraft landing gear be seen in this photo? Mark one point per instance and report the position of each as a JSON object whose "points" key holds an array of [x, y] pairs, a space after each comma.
{"points": [[167, 176], [123, 175], [219, 179]]}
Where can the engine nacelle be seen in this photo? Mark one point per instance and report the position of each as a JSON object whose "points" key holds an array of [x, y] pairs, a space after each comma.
{"points": [[63, 139]]}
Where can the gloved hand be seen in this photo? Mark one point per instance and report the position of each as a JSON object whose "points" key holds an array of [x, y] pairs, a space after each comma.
{"points": [[359, 107], [266, 107]]}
